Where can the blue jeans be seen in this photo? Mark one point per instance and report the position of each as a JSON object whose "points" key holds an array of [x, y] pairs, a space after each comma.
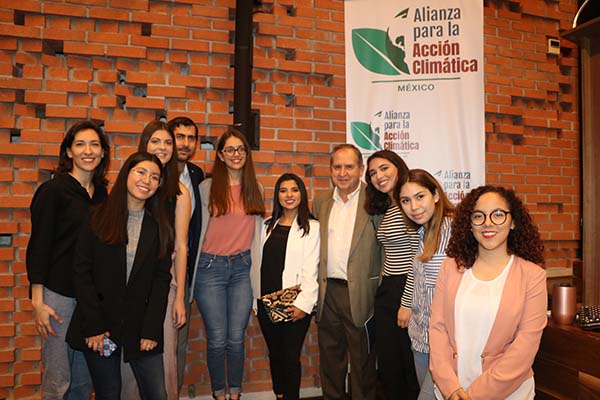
{"points": [[224, 297], [106, 375], [65, 374], [423, 375]]}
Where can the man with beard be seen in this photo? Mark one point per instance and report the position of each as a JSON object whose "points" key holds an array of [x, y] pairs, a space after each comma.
{"points": [[186, 139]]}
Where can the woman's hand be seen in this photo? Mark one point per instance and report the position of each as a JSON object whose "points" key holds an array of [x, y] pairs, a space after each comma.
{"points": [[179, 316], [147, 344], [96, 343], [42, 312], [297, 314], [459, 394], [403, 317], [41, 316]]}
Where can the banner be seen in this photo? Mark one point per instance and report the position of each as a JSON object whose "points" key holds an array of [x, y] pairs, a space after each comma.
{"points": [[414, 85]]}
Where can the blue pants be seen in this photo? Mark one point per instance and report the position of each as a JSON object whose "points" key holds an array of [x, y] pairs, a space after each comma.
{"points": [[65, 374], [224, 297], [423, 375], [106, 375]]}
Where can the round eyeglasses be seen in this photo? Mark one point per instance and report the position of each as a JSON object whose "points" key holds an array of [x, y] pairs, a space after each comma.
{"points": [[230, 151], [497, 216]]}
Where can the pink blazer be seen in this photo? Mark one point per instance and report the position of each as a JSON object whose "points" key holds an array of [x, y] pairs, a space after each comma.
{"points": [[514, 339]]}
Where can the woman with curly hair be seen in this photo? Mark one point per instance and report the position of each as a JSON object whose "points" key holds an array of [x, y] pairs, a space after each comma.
{"points": [[489, 306], [386, 172]]}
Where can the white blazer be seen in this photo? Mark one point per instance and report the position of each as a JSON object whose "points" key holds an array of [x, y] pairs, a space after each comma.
{"points": [[301, 265]]}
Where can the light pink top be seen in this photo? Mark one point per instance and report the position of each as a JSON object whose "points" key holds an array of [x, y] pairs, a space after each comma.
{"points": [[231, 233]]}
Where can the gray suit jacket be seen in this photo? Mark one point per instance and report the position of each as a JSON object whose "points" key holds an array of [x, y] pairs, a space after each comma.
{"points": [[364, 260]]}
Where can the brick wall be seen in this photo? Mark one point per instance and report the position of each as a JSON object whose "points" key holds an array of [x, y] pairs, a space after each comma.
{"points": [[125, 62]]}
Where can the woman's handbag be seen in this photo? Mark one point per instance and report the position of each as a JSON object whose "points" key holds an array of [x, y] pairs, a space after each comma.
{"points": [[276, 303]]}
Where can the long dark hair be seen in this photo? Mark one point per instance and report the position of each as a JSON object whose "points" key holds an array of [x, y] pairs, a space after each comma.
{"points": [[65, 163], [169, 188], [304, 215], [170, 173], [524, 240], [443, 208], [220, 194], [109, 220], [376, 201]]}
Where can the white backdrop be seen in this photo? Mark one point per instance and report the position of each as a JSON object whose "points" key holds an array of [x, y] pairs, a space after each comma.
{"points": [[414, 85]]}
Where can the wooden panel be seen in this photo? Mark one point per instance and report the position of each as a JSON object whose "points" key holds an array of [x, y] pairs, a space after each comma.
{"points": [[567, 365], [553, 379], [589, 387], [586, 35]]}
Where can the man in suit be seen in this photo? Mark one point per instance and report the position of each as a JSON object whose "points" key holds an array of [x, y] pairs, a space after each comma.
{"points": [[186, 139], [349, 271]]}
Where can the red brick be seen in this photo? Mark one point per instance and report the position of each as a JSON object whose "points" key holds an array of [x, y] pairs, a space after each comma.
{"points": [[109, 14], [130, 4], [192, 45], [123, 126], [144, 78], [67, 86], [20, 83], [45, 97], [60, 9], [66, 111], [126, 51], [150, 17], [84, 49], [144, 102]]}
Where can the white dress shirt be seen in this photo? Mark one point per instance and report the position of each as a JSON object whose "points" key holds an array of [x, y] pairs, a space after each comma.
{"points": [[339, 234]]}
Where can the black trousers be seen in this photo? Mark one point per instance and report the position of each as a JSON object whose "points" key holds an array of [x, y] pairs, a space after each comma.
{"points": [[392, 343], [284, 341]]}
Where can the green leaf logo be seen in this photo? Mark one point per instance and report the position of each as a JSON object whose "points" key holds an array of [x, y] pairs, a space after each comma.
{"points": [[364, 137], [376, 51]]}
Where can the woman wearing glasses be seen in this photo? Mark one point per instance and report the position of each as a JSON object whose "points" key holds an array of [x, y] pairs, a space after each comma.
{"points": [[489, 306], [232, 211]]}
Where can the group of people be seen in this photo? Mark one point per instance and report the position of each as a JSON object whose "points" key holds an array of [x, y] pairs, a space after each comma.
{"points": [[433, 301]]}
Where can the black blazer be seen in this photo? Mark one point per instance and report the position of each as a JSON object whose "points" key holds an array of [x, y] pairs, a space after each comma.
{"points": [[196, 176], [105, 302]]}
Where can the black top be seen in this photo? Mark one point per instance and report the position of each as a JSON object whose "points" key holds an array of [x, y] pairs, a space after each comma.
{"points": [[107, 301], [196, 176], [59, 208], [273, 260]]}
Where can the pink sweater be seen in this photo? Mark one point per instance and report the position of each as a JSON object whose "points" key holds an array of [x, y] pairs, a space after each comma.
{"points": [[514, 339]]}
